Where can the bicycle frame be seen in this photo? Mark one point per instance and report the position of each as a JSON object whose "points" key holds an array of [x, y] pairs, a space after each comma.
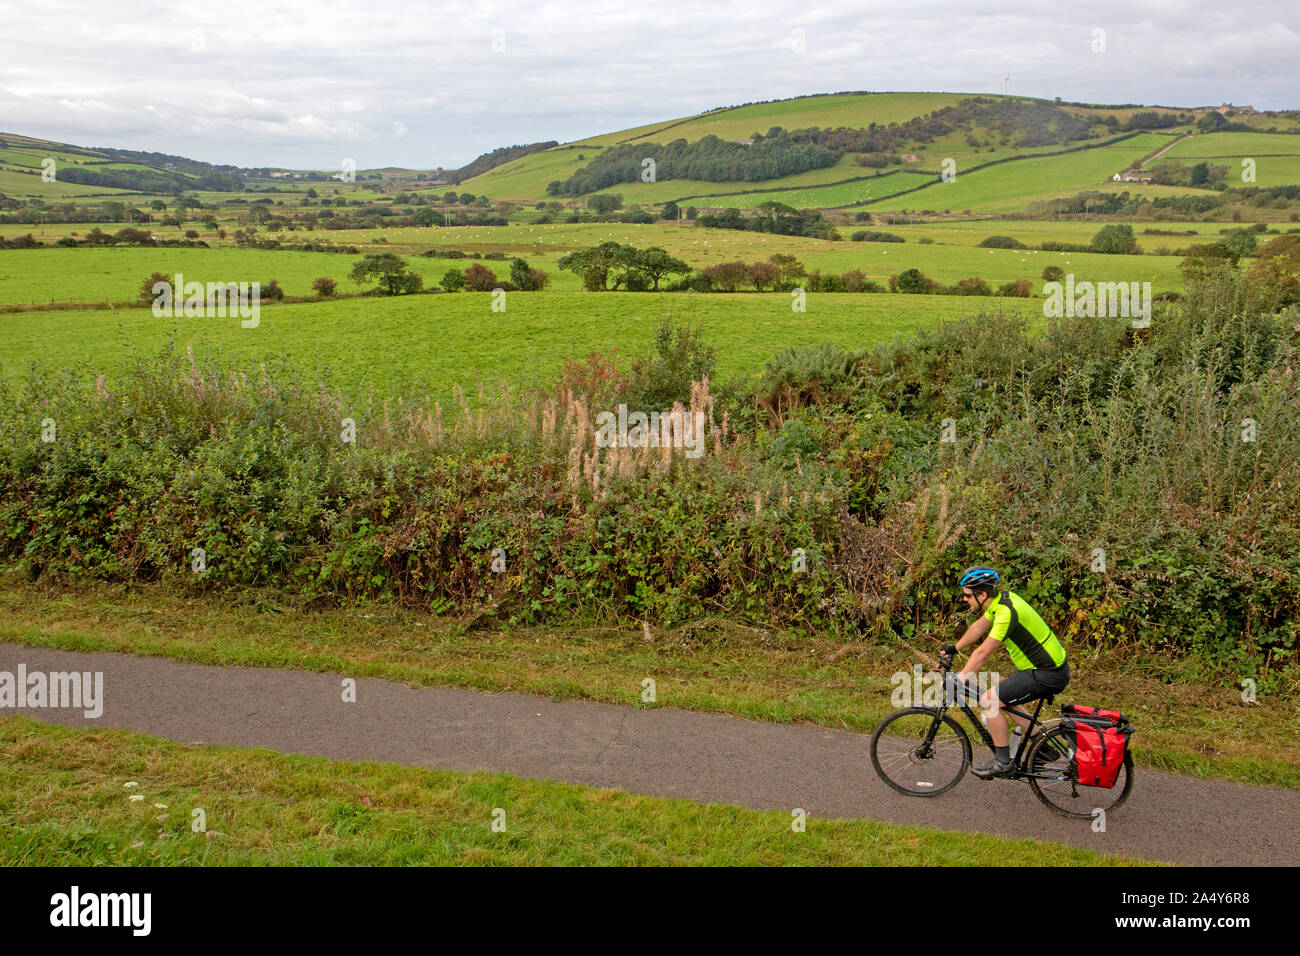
{"points": [[1018, 762]]}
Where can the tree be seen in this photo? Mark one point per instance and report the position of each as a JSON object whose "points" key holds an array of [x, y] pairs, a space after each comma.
{"points": [[391, 272], [479, 278], [765, 275], [1116, 238], [146, 287], [271, 290], [1276, 273], [791, 268], [855, 280], [670, 211], [595, 265], [678, 357], [655, 263], [913, 281], [453, 280], [324, 287], [604, 203], [726, 275], [312, 193], [1200, 174], [1205, 261], [1019, 288], [692, 212], [527, 278]]}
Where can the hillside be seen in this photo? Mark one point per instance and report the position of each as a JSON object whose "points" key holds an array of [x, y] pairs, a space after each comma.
{"points": [[864, 137]]}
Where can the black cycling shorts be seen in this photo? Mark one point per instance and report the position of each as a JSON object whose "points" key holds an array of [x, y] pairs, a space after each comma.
{"points": [[1024, 686]]}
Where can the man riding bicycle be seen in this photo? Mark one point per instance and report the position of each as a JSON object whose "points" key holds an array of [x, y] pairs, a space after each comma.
{"points": [[1007, 620]]}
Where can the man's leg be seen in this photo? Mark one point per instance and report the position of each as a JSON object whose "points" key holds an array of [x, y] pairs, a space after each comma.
{"points": [[992, 709]]}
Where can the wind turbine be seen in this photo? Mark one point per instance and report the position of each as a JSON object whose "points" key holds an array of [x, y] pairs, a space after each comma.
{"points": [[1006, 83]]}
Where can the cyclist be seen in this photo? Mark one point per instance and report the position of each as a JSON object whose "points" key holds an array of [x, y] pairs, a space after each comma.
{"points": [[1042, 670]]}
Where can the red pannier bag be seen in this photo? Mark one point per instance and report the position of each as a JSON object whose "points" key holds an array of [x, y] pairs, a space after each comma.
{"points": [[1100, 739]]}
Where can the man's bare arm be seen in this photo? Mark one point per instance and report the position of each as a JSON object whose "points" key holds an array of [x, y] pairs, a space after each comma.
{"points": [[975, 633]]}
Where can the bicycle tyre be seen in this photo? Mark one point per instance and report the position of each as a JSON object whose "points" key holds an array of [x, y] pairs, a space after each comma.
{"points": [[902, 762], [1058, 795]]}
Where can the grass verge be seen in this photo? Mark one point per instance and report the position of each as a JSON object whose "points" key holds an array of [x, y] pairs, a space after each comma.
{"points": [[65, 799]]}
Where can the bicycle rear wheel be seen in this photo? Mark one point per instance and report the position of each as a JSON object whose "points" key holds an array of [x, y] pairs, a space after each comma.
{"points": [[1053, 778], [909, 765]]}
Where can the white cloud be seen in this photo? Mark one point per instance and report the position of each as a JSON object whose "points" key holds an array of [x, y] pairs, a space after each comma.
{"points": [[276, 83]]}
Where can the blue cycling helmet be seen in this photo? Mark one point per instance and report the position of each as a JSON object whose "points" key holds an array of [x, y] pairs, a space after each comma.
{"points": [[980, 576]]}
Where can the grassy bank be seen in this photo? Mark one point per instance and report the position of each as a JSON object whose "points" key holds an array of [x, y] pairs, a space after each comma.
{"points": [[65, 798]]}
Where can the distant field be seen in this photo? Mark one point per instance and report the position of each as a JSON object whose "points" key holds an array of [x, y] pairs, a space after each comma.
{"points": [[115, 274], [1277, 156], [1007, 187], [823, 196], [526, 178], [1035, 232], [427, 344], [856, 110], [17, 185]]}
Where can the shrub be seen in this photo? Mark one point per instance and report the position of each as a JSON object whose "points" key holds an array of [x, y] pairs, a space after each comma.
{"points": [[911, 281], [1115, 238], [527, 278], [678, 357], [727, 276], [764, 275], [874, 235], [692, 283], [1019, 289], [854, 280], [453, 280], [1001, 242], [324, 287], [479, 278], [271, 290], [972, 286], [1053, 274], [146, 287]]}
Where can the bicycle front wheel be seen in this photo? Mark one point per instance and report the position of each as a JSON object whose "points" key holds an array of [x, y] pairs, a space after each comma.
{"points": [[1052, 778], [903, 758]]}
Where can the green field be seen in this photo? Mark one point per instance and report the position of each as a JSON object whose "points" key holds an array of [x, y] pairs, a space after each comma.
{"points": [[66, 797], [1277, 156], [1007, 187], [854, 110], [844, 194], [427, 344], [115, 274]]}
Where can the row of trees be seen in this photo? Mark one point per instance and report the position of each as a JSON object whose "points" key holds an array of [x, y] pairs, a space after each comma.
{"points": [[611, 265], [709, 159], [479, 278], [774, 217]]}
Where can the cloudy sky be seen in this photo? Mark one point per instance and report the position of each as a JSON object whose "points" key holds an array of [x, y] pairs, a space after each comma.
{"points": [[405, 83]]}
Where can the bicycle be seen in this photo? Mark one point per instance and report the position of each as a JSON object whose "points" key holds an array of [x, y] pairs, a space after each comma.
{"points": [[911, 754]]}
